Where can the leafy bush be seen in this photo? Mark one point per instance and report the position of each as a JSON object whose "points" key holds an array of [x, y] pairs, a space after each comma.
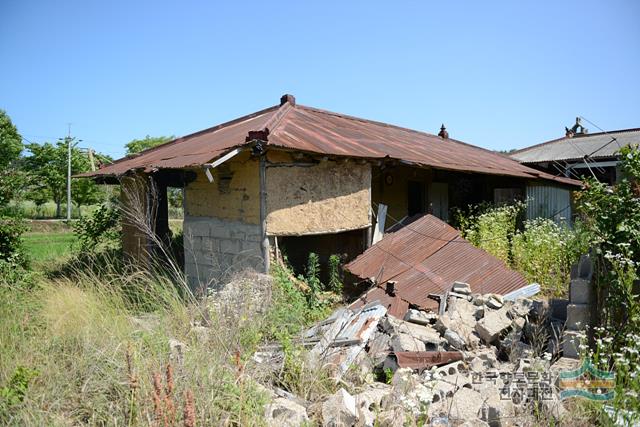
{"points": [[101, 227], [544, 253], [335, 274], [491, 228], [14, 392], [11, 250]]}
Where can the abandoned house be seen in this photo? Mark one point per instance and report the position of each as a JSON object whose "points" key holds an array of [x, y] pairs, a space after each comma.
{"points": [[292, 179], [580, 154]]}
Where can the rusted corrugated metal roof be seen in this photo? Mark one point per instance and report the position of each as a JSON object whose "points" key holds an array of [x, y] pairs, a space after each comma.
{"points": [[297, 127], [426, 257]]}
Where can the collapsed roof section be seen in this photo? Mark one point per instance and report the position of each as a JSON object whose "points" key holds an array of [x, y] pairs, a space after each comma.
{"points": [[300, 128], [427, 257]]}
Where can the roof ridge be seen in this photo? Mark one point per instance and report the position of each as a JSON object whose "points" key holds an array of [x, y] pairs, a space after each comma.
{"points": [[272, 124], [579, 136]]}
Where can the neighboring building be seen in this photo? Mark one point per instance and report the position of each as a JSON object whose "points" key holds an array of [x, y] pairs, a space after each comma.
{"points": [[580, 154], [293, 179]]}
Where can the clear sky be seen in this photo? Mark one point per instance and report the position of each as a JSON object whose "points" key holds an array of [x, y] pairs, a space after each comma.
{"points": [[499, 74]]}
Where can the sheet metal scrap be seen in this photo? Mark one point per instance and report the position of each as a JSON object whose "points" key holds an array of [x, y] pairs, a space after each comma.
{"points": [[426, 359], [342, 338], [428, 257]]}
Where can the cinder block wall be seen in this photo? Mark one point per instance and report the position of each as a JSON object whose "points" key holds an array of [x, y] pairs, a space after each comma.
{"points": [[221, 223], [215, 248]]}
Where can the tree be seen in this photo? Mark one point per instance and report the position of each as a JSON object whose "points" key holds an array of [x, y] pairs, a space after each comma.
{"points": [[12, 180], [85, 192], [48, 167], [138, 145], [10, 141]]}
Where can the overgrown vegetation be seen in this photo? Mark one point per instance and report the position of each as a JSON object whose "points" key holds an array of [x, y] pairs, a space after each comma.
{"points": [[542, 250]]}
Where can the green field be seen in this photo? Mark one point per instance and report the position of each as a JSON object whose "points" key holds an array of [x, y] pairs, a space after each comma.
{"points": [[48, 248]]}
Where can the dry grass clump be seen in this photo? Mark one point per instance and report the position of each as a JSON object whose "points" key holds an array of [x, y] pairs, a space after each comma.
{"points": [[100, 344]]}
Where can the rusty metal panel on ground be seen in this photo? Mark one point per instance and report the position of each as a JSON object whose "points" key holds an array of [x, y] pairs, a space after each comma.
{"points": [[427, 257], [426, 359]]}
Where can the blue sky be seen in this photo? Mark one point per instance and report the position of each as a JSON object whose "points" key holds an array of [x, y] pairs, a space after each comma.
{"points": [[498, 74]]}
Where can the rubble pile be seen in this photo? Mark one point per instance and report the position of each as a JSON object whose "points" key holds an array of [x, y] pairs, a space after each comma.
{"points": [[472, 363]]}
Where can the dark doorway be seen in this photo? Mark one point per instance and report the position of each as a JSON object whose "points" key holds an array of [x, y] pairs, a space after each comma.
{"points": [[416, 203], [347, 245]]}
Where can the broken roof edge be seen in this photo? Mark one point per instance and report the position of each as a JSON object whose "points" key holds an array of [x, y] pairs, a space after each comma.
{"points": [[174, 141]]}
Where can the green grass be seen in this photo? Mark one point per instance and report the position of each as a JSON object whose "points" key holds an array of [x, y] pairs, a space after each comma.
{"points": [[94, 344], [49, 248]]}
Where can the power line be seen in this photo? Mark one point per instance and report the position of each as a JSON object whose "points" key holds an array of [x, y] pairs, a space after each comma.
{"points": [[613, 138]]}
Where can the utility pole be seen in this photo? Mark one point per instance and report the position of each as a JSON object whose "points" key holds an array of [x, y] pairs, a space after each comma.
{"points": [[70, 144], [69, 173]]}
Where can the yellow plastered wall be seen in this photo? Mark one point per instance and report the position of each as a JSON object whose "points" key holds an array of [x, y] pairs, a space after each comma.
{"points": [[395, 194], [234, 194], [326, 197]]}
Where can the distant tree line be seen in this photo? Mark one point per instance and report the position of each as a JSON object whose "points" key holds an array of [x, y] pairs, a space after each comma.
{"points": [[38, 172]]}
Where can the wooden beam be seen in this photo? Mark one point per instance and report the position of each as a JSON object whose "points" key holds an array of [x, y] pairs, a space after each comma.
{"points": [[218, 162]]}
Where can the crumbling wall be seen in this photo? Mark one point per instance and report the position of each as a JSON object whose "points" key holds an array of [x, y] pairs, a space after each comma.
{"points": [[222, 222], [317, 198]]}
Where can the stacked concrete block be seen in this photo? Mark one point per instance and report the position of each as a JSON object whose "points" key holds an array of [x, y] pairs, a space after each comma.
{"points": [[581, 307], [216, 248]]}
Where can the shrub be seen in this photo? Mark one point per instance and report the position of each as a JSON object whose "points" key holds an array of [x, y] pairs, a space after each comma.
{"points": [[335, 274], [100, 228], [11, 250], [544, 253], [491, 228]]}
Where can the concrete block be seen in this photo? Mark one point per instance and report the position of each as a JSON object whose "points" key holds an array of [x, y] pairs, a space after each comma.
{"points": [[578, 316], [220, 231], [251, 247], [461, 288], [405, 342], [229, 246], [571, 344], [196, 228], [209, 245], [580, 291], [492, 325], [339, 409]]}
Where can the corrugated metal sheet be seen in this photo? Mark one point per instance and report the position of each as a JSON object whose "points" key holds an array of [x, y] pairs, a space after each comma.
{"points": [[577, 147], [191, 150], [309, 129], [426, 257], [426, 359], [548, 202], [341, 338]]}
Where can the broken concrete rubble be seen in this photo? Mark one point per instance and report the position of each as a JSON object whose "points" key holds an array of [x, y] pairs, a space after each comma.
{"points": [[492, 325], [285, 412], [469, 342], [339, 410], [420, 317]]}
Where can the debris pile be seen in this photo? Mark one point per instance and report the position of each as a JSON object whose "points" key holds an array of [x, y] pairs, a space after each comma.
{"points": [[475, 362]]}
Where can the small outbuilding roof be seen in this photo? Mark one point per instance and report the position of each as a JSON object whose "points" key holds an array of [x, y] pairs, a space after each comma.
{"points": [[426, 257], [594, 145], [301, 128]]}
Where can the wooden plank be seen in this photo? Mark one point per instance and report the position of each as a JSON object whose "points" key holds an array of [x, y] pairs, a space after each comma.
{"points": [[218, 162], [378, 233]]}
